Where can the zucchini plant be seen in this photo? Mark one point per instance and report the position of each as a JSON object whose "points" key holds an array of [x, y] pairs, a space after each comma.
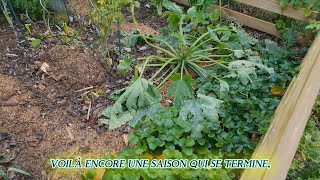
{"points": [[183, 52], [187, 52]]}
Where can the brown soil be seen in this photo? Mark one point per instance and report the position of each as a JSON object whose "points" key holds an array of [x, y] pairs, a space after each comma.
{"points": [[41, 114], [74, 66], [144, 29], [43, 106], [81, 6]]}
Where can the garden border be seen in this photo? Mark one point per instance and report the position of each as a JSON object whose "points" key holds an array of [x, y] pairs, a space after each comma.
{"points": [[281, 141]]}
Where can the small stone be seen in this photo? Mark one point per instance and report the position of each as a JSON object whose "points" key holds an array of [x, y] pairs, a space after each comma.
{"points": [[143, 48], [61, 102]]}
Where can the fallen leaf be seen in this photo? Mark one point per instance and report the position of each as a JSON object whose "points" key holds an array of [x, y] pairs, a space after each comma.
{"points": [[109, 62], [44, 67], [69, 131], [255, 137], [125, 138], [143, 48]]}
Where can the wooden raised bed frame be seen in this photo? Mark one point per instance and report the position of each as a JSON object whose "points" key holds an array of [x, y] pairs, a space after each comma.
{"points": [[281, 141]]}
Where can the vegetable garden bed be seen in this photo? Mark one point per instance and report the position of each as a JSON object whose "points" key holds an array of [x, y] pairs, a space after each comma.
{"points": [[282, 139]]}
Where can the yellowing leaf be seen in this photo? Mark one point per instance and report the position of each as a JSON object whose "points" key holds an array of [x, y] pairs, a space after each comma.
{"points": [[307, 12], [28, 28], [99, 174], [148, 156], [277, 90], [101, 2], [257, 53], [160, 157]]}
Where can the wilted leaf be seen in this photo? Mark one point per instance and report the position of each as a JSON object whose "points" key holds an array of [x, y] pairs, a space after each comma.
{"points": [[139, 95]]}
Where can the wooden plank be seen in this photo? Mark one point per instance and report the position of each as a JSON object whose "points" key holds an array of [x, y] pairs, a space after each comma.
{"points": [[274, 6], [250, 21], [283, 137]]}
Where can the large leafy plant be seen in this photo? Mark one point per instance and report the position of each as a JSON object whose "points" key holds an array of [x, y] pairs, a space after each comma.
{"points": [[183, 51], [187, 52]]}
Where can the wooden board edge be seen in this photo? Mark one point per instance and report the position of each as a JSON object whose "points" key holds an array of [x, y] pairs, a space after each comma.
{"points": [[275, 7]]}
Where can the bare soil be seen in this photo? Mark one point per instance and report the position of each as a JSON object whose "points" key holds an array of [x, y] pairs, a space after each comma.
{"points": [[45, 100]]}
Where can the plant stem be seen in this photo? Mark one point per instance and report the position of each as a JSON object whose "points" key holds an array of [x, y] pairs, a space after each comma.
{"points": [[159, 71], [173, 72], [182, 67], [144, 67], [163, 74], [205, 50], [157, 39]]}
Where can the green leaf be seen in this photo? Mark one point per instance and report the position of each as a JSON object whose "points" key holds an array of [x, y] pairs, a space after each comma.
{"points": [[35, 42], [19, 171], [215, 15], [170, 146], [189, 143], [239, 53], [148, 111], [210, 107], [168, 153], [307, 12], [213, 36], [3, 174], [124, 66], [224, 87], [246, 69], [91, 173], [284, 3], [187, 151], [133, 138], [154, 142], [177, 154], [182, 89]]}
